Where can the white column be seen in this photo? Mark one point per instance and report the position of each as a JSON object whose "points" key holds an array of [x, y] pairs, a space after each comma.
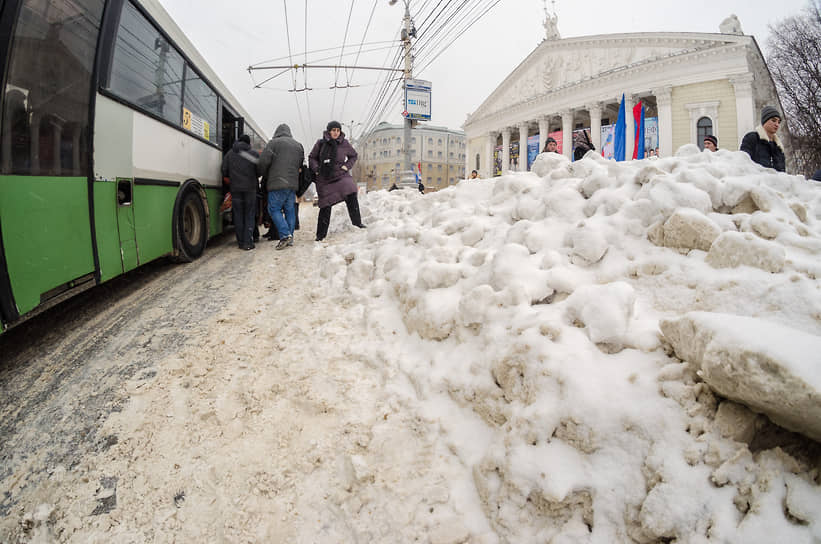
{"points": [[544, 127], [505, 149], [630, 128], [744, 106], [523, 128], [491, 146], [664, 101], [567, 133], [595, 125]]}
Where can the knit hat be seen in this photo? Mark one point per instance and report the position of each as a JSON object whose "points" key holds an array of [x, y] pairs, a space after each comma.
{"points": [[333, 124], [711, 138], [767, 113], [550, 139]]}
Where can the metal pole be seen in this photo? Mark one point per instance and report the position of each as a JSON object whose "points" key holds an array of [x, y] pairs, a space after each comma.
{"points": [[407, 177]]}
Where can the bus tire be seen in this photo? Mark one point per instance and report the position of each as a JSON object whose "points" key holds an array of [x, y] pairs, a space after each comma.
{"points": [[190, 225]]}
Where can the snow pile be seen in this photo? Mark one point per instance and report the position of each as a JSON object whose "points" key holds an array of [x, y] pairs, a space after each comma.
{"points": [[525, 311]]}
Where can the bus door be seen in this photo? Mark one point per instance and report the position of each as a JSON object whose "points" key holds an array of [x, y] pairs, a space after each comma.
{"points": [[232, 126], [125, 224]]}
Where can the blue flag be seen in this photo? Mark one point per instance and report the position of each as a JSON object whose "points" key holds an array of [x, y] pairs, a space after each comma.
{"points": [[619, 140]]}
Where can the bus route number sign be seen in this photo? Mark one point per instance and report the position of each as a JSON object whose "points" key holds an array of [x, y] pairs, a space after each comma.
{"points": [[417, 99]]}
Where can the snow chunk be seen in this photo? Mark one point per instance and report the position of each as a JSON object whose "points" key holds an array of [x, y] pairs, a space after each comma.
{"points": [[687, 229], [767, 366], [732, 249], [604, 310]]}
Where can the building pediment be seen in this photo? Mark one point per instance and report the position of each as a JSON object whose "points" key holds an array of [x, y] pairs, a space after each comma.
{"points": [[560, 63]]}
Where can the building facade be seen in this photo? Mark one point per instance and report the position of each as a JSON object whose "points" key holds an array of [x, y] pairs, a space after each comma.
{"points": [[439, 151], [689, 84]]}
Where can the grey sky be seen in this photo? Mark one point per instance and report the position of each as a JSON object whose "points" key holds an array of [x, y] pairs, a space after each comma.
{"points": [[232, 36]]}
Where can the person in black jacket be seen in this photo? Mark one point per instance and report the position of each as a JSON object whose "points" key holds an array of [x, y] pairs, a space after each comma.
{"points": [[239, 169], [581, 145], [762, 144]]}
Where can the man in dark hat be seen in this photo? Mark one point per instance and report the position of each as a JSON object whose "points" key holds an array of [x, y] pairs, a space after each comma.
{"points": [[710, 143], [550, 145], [763, 144]]}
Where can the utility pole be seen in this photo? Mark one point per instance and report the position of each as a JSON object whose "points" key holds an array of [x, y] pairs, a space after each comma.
{"points": [[407, 179]]}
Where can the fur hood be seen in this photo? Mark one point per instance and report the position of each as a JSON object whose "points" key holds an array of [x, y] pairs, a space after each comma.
{"points": [[766, 137]]}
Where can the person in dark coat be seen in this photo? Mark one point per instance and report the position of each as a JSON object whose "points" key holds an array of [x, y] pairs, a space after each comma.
{"points": [[239, 169], [550, 145], [581, 145], [280, 163], [332, 159], [762, 144], [817, 175]]}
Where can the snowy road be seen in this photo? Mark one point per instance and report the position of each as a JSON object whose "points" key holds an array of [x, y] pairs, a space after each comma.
{"points": [[222, 400]]}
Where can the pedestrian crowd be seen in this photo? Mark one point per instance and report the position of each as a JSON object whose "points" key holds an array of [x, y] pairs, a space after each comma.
{"points": [[265, 187]]}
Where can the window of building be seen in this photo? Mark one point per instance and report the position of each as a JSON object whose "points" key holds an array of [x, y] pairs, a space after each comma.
{"points": [[477, 162], [430, 154], [430, 141], [146, 70], [48, 85], [440, 141], [439, 167], [439, 154], [703, 128]]}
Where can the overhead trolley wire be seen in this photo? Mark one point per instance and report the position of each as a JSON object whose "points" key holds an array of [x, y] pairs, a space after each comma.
{"points": [[290, 59], [462, 30], [341, 51], [361, 44]]}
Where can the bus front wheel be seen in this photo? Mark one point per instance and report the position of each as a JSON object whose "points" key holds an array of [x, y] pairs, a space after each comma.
{"points": [[191, 226]]}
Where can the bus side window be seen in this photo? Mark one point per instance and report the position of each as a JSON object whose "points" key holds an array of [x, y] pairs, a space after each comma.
{"points": [[45, 107], [146, 70]]}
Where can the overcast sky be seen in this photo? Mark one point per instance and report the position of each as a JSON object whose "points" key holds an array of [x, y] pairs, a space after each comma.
{"points": [[235, 35]]}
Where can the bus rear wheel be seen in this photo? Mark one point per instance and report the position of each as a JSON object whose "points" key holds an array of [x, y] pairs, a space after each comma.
{"points": [[191, 227]]}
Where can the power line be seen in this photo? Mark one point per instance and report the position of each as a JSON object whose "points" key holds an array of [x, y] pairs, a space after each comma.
{"points": [[290, 58]]}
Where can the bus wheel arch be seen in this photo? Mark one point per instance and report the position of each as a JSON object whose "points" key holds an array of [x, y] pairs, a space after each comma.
{"points": [[190, 222]]}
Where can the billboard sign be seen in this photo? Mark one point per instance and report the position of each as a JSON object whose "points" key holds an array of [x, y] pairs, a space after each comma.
{"points": [[417, 99]]}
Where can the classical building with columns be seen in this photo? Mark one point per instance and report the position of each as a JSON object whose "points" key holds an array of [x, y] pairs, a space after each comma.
{"points": [[690, 84]]}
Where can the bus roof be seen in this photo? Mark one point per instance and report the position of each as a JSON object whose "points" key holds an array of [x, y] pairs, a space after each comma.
{"points": [[155, 10]]}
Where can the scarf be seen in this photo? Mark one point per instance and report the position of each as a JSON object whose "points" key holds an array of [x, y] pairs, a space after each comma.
{"points": [[327, 158]]}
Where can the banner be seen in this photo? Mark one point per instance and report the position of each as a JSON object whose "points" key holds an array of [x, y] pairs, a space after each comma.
{"points": [[608, 134], [651, 135], [532, 149], [514, 156], [497, 161]]}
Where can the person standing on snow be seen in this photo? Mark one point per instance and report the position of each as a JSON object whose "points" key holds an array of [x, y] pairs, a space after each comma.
{"points": [[239, 169], [332, 159], [281, 160], [763, 144]]}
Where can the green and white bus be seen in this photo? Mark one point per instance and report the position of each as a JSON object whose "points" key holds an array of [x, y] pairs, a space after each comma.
{"points": [[113, 133]]}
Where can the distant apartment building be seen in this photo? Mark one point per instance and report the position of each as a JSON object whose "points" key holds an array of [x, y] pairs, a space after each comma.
{"points": [[439, 151]]}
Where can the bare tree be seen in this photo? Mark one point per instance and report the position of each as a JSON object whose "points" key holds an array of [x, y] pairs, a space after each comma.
{"points": [[795, 64]]}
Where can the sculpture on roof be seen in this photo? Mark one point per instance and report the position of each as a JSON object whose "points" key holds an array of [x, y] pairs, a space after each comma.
{"points": [[731, 25], [551, 23]]}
